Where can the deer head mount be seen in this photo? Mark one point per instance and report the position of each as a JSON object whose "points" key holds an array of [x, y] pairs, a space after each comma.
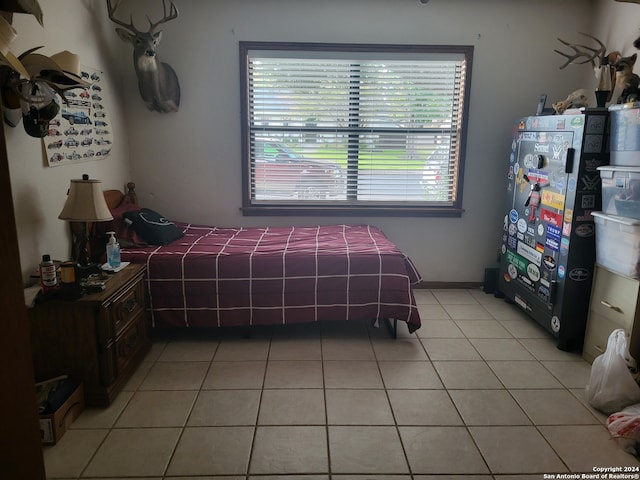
{"points": [[157, 81], [582, 54], [604, 64]]}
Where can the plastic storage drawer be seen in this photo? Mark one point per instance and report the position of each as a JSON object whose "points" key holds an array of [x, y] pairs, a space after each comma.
{"points": [[618, 243], [621, 191], [625, 134]]}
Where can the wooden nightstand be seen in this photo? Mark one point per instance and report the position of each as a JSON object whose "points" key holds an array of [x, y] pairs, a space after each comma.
{"points": [[100, 338], [614, 304]]}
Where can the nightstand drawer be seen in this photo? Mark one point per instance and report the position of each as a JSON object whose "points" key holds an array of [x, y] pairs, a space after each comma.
{"points": [[129, 343], [615, 297], [597, 336], [127, 307]]}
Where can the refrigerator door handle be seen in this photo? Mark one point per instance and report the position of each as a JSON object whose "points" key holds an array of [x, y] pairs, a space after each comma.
{"points": [[554, 291], [568, 166]]}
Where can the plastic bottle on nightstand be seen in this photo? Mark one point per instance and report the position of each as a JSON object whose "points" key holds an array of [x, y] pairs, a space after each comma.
{"points": [[48, 277], [113, 251]]}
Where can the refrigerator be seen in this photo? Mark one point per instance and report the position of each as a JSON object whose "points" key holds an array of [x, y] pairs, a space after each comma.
{"points": [[547, 254]]}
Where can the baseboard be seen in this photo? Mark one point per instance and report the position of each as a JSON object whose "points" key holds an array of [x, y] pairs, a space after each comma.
{"points": [[449, 285]]}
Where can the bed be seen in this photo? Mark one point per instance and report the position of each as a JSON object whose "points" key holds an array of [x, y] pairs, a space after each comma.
{"points": [[212, 276]]}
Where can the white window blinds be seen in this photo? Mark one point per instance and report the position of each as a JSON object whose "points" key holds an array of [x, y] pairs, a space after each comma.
{"points": [[354, 128]]}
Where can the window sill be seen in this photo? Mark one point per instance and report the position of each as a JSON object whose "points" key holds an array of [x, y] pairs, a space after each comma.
{"points": [[352, 211]]}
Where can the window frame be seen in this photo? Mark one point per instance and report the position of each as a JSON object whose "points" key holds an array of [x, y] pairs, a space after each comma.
{"points": [[280, 208]]}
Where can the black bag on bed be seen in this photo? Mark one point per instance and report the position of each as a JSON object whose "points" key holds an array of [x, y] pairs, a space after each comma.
{"points": [[153, 227]]}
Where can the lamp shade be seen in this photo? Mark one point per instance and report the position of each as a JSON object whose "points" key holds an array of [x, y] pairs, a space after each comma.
{"points": [[85, 202]]}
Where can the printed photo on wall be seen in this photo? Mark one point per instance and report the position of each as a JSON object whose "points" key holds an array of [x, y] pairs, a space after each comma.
{"points": [[82, 129]]}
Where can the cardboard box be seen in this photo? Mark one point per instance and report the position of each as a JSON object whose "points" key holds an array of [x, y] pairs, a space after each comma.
{"points": [[53, 425]]}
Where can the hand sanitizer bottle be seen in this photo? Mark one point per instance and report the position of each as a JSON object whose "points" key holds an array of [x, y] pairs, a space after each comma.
{"points": [[113, 251]]}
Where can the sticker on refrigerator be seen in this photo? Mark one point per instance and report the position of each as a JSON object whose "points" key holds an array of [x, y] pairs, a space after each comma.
{"points": [[564, 246], [534, 272], [544, 293], [529, 253], [585, 217], [595, 124], [566, 229], [550, 217], [577, 121], [513, 215], [568, 215], [555, 324], [585, 230], [591, 165], [521, 302], [572, 184], [525, 282], [517, 261], [549, 262], [592, 144], [553, 237], [588, 201], [579, 274], [522, 225], [553, 199], [590, 183], [561, 271]]}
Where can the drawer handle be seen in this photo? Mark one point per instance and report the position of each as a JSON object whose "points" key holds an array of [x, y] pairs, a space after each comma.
{"points": [[130, 305], [128, 344], [612, 307]]}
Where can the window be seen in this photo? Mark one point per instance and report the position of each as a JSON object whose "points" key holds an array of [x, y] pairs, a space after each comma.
{"points": [[354, 129]]}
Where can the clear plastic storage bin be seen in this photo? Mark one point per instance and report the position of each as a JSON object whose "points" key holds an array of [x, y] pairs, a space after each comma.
{"points": [[621, 191], [618, 243], [625, 134]]}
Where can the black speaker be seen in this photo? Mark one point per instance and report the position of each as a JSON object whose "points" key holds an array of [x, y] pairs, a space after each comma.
{"points": [[491, 280]]}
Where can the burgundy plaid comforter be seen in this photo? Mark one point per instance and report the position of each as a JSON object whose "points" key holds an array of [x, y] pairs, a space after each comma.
{"points": [[277, 275]]}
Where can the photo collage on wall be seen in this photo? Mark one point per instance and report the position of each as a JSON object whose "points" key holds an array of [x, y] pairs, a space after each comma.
{"points": [[82, 129]]}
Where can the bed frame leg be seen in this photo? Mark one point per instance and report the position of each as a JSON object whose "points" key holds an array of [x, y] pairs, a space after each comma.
{"points": [[393, 329]]}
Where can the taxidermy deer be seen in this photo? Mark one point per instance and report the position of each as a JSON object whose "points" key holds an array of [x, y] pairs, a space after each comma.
{"points": [[157, 81]]}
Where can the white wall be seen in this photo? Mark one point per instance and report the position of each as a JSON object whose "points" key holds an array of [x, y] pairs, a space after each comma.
{"points": [[616, 25], [39, 191], [187, 164]]}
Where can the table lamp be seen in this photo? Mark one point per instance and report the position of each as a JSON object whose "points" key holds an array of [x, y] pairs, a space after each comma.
{"points": [[85, 203]]}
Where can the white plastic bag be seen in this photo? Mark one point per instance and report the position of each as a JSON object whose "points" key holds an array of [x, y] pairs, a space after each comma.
{"points": [[624, 426], [612, 386]]}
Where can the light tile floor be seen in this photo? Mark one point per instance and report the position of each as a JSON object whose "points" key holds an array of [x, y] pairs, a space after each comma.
{"points": [[479, 392]]}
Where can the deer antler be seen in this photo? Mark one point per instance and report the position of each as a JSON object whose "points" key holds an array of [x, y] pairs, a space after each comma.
{"points": [[173, 13], [590, 56], [112, 10]]}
